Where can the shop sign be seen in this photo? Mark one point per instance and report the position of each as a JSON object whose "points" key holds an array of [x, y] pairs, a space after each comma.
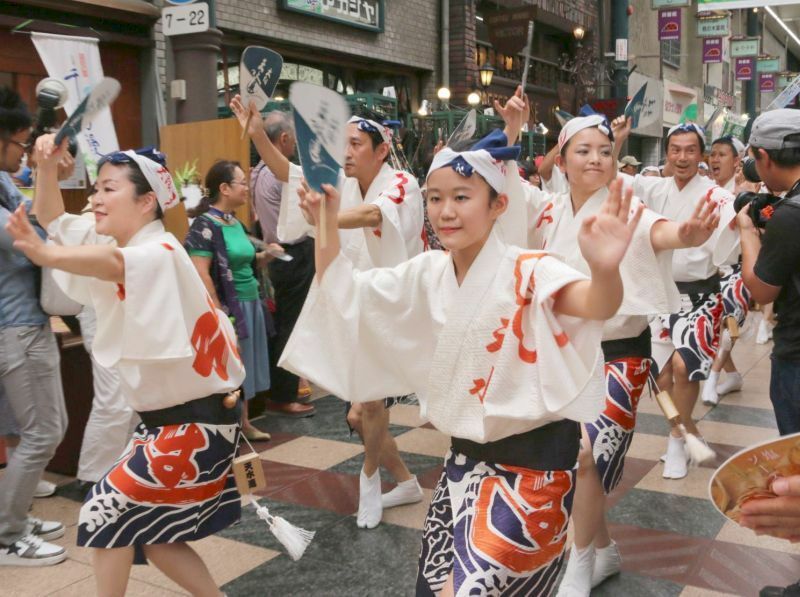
{"points": [[785, 79], [669, 24], [670, 3], [705, 5], [768, 65], [712, 50], [744, 68], [188, 18], [364, 14], [766, 82], [680, 104], [508, 28], [717, 27], [749, 46]]}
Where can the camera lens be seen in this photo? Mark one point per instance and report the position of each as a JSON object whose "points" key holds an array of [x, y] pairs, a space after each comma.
{"points": [[749, 170]]}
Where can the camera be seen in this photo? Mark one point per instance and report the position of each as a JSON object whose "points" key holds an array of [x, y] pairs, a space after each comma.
{"points": [[749, 170], [51, 94], [761, 206]]}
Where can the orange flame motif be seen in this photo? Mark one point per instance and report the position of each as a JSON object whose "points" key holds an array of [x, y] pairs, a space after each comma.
{"points": [[211, 345]]}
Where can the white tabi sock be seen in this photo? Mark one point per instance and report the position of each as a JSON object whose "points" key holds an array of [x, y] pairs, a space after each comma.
{"points": [[710, 395], [370, 509], [731, 383], [577, 580], [406, 492]]}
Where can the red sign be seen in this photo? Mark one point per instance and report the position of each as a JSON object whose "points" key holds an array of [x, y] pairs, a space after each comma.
{"points": [[745, 68], [669, 24], [712, 50], [766, 82]]}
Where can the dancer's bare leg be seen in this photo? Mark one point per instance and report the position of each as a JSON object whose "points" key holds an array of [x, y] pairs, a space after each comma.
{"points": [[684, 394], [588, 506], [182, 565], [112, 568]]}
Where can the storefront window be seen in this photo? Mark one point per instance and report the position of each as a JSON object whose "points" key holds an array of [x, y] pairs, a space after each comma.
{"points": [[671, 52]]}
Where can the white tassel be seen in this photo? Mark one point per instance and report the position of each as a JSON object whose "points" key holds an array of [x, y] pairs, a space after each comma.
{"points": [[293, 538], [699, 451]]}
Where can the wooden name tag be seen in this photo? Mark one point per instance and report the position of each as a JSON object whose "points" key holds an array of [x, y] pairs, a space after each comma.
{"points": [[248, 473]]}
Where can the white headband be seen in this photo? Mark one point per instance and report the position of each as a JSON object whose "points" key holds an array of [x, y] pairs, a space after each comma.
{"points": [[385, 134], [576, 125], [491, 169], [159, 178]]}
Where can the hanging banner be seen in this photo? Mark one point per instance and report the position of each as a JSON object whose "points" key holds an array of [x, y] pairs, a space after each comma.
{"points": [[712, 50], [768, 65], [766, 82], [717, 27], [669, 24], [747, 46], [651, 107], [76, 61], [744, 68]]}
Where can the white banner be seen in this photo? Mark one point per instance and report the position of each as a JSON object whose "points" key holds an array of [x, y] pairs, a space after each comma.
{"points": [[76, 62]]}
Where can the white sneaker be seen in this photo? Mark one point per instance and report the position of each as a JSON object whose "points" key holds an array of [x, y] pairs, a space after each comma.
{"points": [[731, 383], [577, 580], [44, 529], [30, 550], [710, 392], [407, 492], [607, 563], [764, 333], [676, 464], [44, 489], [370, 509]]}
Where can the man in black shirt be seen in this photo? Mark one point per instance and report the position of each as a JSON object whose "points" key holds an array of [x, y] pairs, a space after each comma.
{"points": [[771, 260]]}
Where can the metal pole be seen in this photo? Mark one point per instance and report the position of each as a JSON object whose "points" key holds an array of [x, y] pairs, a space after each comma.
{"points": [[446, 43], [751, 88], [619, 30]]}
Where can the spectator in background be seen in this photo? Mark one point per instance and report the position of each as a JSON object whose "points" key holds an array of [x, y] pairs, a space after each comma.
{"points": [[290, 280], [703, 170], [225, 258], [531, 173], [629, 165], [29, 367], [651, 171]]}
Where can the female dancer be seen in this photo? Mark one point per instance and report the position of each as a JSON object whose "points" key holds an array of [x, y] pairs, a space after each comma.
{"points": [[501, 347], [177, 359]]}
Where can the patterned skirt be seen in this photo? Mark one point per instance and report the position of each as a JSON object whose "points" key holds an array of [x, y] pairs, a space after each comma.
{"points": [[500, 529], [693, 332], [735, 296], [612, 433], [174, 483]]}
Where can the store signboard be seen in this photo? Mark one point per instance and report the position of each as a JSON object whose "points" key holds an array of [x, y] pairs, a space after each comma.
{"points": [[768, 65], [712, 50], [749, 46], [717, 27], [744, 69], [785, 79], [363, 14], [669, 24], [705, 5], [670, 3], [766, 82]]}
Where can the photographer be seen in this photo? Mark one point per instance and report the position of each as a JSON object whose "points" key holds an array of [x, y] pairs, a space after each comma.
{"points": [[29, 367], [771, 259]]}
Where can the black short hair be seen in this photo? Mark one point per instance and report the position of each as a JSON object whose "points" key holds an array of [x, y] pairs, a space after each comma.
{"points": [[788, 157], [376, 140], [14, 114]]}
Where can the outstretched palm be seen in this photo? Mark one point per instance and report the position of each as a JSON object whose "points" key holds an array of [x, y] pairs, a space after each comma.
{"points": [[605, 237], [248, 117], [699, 228]]}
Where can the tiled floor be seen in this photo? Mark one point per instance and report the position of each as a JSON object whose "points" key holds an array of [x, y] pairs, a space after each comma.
{"points": [[673, 541]]}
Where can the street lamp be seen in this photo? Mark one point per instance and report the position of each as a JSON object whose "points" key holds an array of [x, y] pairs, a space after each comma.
{"points": [[486, 73], [473, 99], [443, 94], [579, 33]]}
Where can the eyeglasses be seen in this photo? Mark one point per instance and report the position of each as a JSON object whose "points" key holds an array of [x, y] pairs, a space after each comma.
{"points": [[24, 146]]}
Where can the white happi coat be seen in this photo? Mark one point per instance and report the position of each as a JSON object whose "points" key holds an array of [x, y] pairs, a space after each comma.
{"points": [[160, 329], [552, 225], [663, 196], [487, 359], [394, 192]]}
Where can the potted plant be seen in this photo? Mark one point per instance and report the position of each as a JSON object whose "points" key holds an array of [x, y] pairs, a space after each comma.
{"points": [[187, 181]]}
